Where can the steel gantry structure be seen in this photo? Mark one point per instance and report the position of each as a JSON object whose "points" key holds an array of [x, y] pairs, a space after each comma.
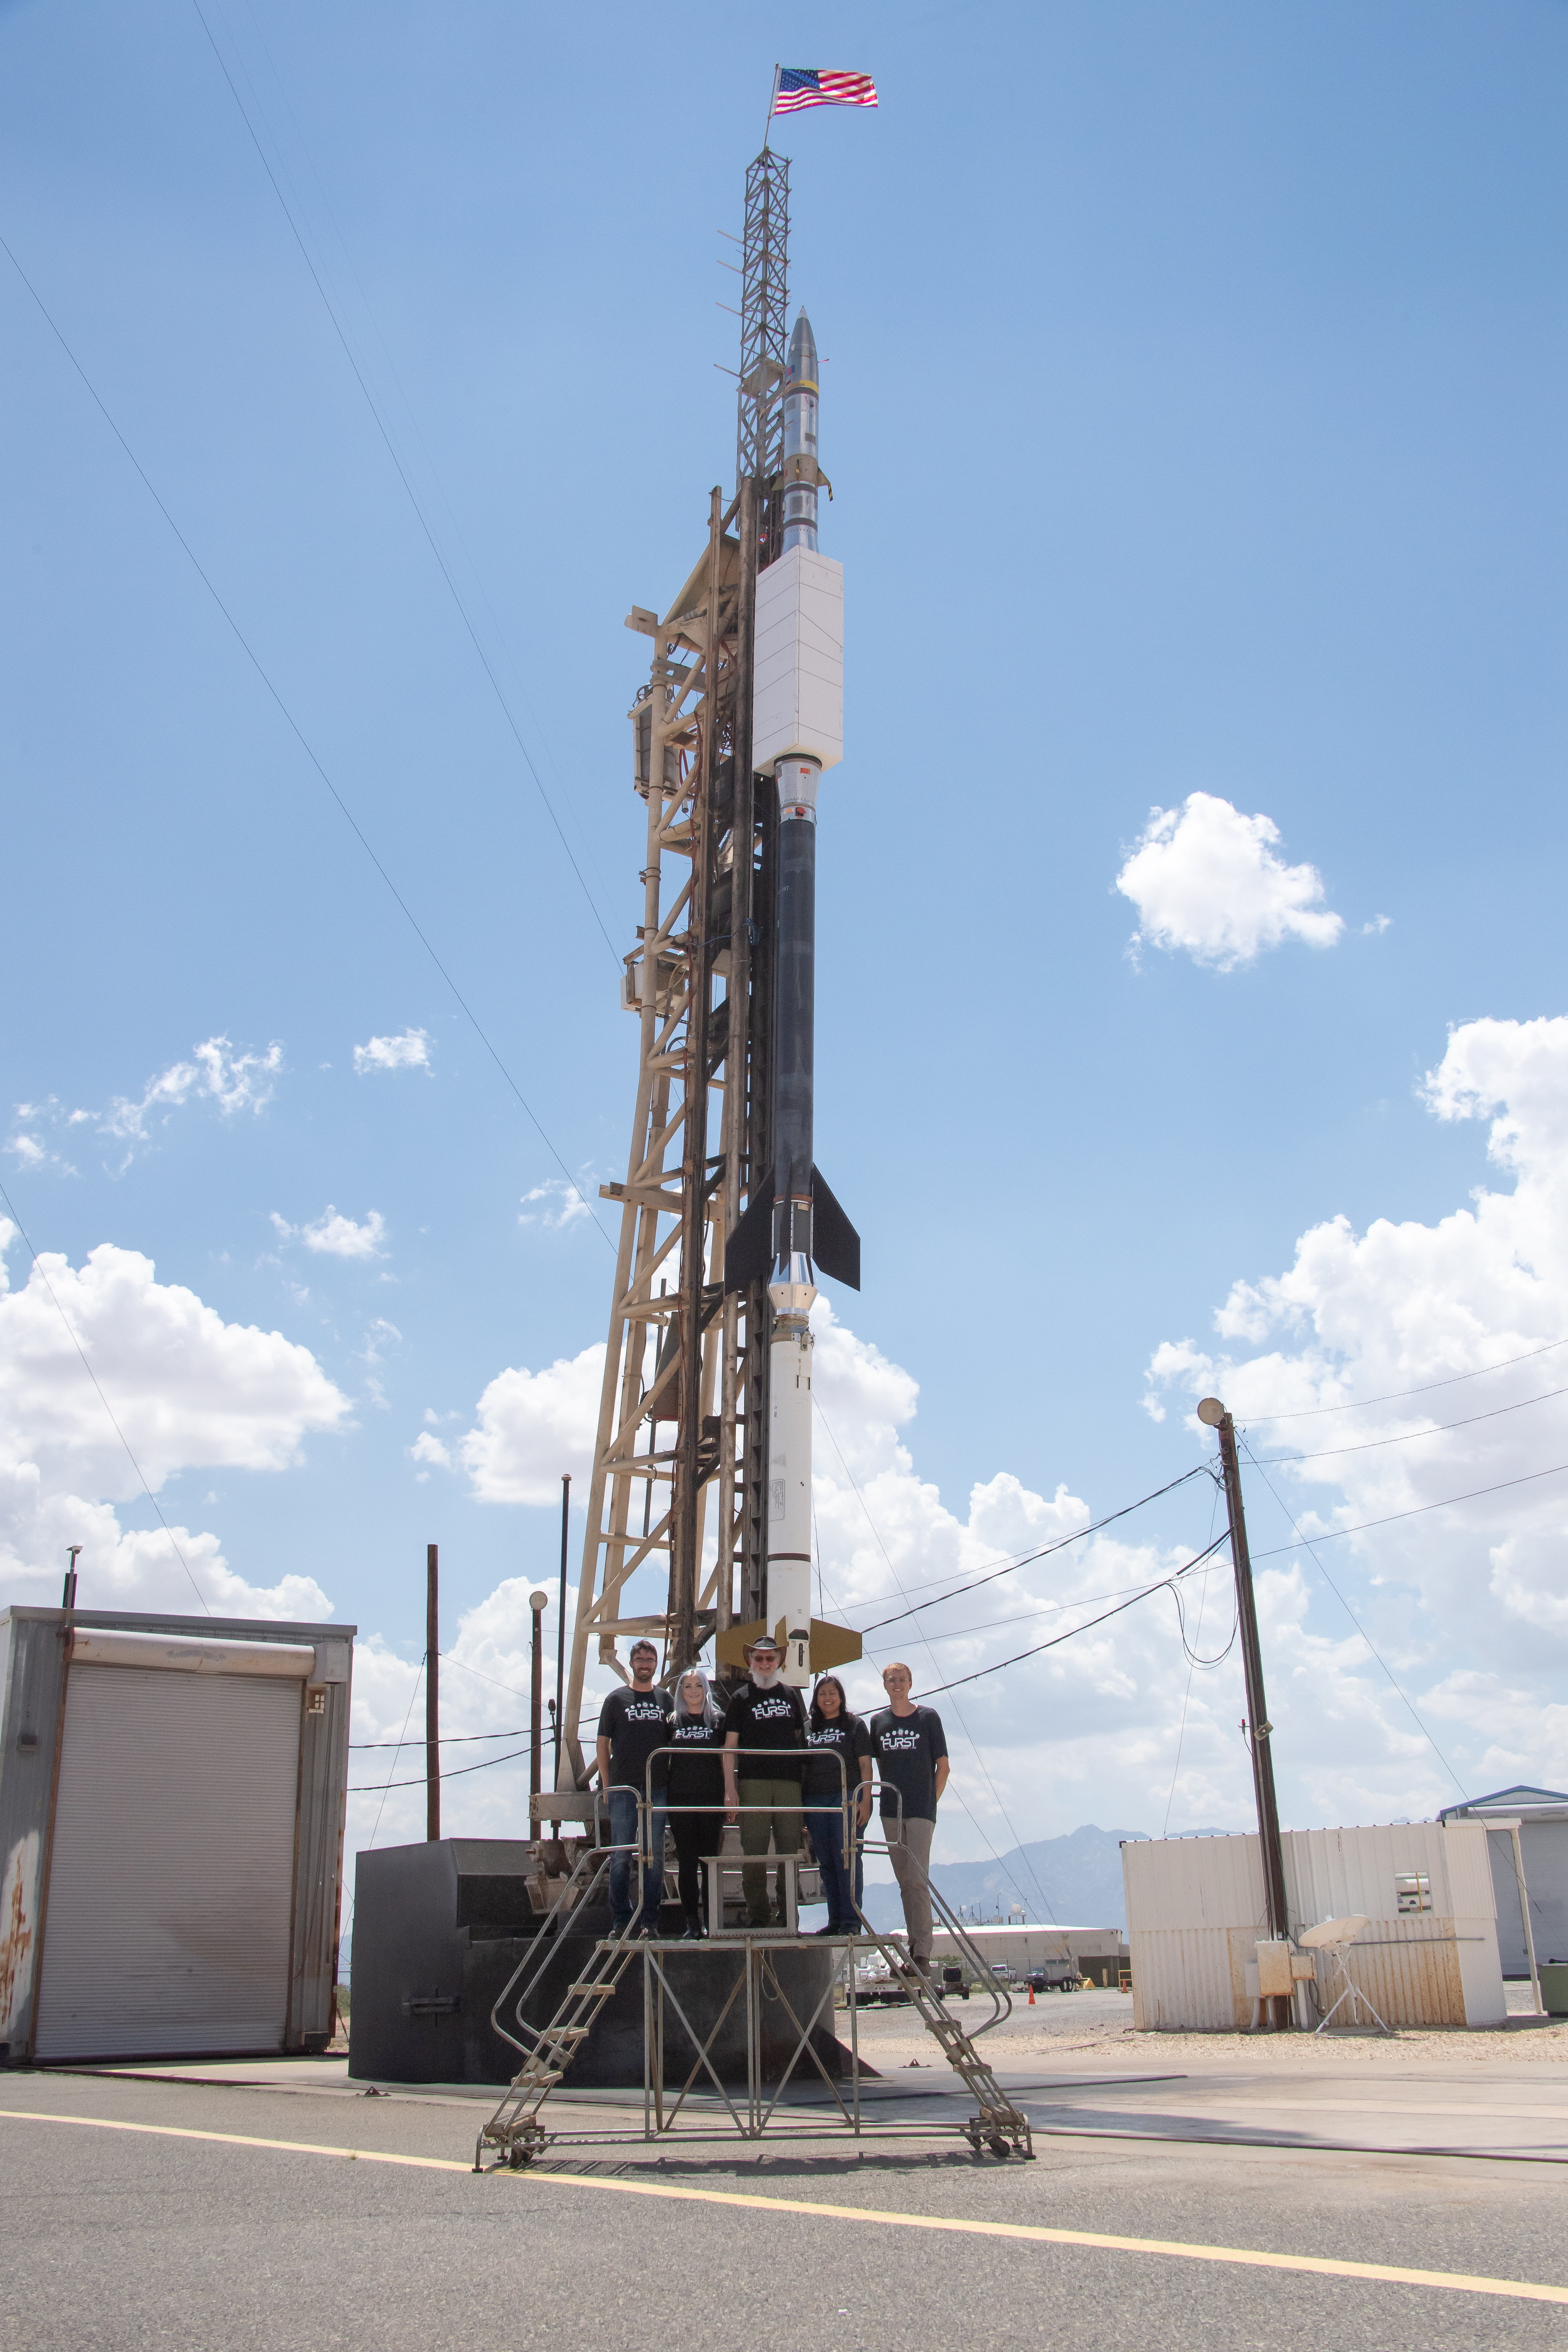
{"points": [[680, 1454]]}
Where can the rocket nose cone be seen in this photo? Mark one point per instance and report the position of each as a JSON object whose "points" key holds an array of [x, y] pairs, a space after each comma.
{"points": [[802, 368]]}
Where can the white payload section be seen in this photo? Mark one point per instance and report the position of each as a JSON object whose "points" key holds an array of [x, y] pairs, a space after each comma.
{"points": [[798, 680]]}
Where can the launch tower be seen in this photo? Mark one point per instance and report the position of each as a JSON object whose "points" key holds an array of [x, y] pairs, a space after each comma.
{"points": [[680, 1476]]}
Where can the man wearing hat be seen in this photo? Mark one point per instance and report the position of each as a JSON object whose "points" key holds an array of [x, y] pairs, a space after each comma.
{"points": [[768, 1713]]}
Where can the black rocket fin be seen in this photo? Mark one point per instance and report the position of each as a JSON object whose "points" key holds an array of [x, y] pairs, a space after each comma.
{"points": [[749, 1252], [836, 1244]]}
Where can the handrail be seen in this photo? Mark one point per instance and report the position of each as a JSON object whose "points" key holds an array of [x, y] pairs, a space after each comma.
{"points": [[599, 1855]]}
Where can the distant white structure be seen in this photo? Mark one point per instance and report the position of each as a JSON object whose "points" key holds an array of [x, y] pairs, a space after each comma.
{"points": [[1093, 1951], [1427, 1954]]}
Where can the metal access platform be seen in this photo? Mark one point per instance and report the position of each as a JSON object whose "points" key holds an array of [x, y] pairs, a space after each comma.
{"points": [[517, 2133]]}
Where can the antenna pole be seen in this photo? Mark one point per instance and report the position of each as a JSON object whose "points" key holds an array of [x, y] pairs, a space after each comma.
{"points": [[432, 1694]]}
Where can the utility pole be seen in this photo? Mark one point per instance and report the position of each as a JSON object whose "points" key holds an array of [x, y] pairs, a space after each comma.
{"points": [[68, 1600], [538, 1602], [1212, 1412], [432, 1696]]}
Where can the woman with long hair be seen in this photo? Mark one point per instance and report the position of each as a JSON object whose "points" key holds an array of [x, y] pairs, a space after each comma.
{"points": [[696, 1778], [836, 1737]]}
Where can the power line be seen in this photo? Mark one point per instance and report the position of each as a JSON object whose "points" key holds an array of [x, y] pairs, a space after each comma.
{"points": [[403, 478], [1332, 1535], [1355, 1621], [1187, 1694], [381, 1809], [447, 1739], [1028, 1616], [103, 1400], [1073, 1631], [1312, 1413], [294, 724], [421, 1780], [1030, 1559], [1409, 1437]]}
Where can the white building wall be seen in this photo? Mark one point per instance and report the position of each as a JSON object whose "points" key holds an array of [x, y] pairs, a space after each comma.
{"points": [[797, 705], [1195, 1909]]}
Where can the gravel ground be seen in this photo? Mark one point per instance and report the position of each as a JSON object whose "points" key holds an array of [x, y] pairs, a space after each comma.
{"points": [[1087, 2031]]}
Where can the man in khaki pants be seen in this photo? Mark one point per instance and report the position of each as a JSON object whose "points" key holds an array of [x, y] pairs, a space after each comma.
{"points": [[765, 1712], [909, 1749]]}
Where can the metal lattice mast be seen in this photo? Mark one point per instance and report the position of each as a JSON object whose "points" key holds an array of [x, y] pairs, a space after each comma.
{"points": [[684, 1403], [765, 300]]}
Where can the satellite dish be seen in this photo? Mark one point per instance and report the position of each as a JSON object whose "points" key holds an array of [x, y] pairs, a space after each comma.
{"points": [[1211, 1412]]}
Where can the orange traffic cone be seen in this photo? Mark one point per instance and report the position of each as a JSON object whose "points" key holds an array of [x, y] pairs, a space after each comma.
{"points": [[1031, 1996]]}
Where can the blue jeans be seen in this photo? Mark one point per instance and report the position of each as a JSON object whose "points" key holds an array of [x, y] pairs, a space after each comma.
{"points": [[622, 1835], [837, 1877]]}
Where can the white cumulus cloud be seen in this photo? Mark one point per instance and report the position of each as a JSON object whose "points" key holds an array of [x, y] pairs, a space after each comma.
{"points": [[216, 1073], [335, 1236], [532, 1427], [409, 1050], [1205, 879], [554, 1204], [187, 1390], [1413, 1365]]}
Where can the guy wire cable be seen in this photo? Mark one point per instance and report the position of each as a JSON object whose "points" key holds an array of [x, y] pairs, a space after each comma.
{"points": [[408, 485], [404, 1742], [294, 724]]}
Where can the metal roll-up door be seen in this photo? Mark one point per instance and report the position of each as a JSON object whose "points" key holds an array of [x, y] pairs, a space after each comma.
{"points": [[171, 1869]]}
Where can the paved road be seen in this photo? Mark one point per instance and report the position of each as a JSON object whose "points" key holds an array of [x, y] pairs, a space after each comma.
{"points": [[118, 2238]]}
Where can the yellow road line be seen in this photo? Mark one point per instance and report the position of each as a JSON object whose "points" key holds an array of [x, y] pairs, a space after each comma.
{"points": [[1248, 2257]]}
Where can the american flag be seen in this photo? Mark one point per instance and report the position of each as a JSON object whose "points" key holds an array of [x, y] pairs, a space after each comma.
{"points": [[799, 86]]}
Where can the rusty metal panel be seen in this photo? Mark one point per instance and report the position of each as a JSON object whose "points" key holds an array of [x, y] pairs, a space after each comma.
{"points": [[29, 1711], [319, 1860]]}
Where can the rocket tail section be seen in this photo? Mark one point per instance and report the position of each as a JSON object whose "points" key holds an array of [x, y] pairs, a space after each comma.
{"points": [[834, 1244]]}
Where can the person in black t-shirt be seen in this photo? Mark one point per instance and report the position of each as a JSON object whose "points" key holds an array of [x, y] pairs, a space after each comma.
{"points": [[910, 1751], [832, 1737], [632, 1725], [766, 1712], [693, 1775]]}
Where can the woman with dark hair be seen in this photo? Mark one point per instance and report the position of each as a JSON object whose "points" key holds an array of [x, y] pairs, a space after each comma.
{"points": [[835, 1737], [696, 1778]]}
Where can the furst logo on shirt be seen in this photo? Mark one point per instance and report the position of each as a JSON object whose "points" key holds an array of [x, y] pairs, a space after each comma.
{"points": [[893, 1741], [772, 1710], [690, 1731], [643, 1710], [830, 1736]]}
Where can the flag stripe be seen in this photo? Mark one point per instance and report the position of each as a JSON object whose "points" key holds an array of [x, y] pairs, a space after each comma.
{"points": [[803, 86]]}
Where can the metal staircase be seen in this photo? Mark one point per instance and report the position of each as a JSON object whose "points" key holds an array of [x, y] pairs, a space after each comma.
{"points": [[516, 2133]]}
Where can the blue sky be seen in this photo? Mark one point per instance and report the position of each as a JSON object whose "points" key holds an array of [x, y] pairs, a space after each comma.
{"points": [[1192, 397]]}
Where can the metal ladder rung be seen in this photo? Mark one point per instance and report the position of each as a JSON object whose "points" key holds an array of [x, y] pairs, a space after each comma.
{"points": [[591, 1992]]}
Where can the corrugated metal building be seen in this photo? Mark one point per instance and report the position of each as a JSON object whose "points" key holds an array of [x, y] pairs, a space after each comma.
{"points": [[171, 1797], [1428, 1956], [1542, 1818]]}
